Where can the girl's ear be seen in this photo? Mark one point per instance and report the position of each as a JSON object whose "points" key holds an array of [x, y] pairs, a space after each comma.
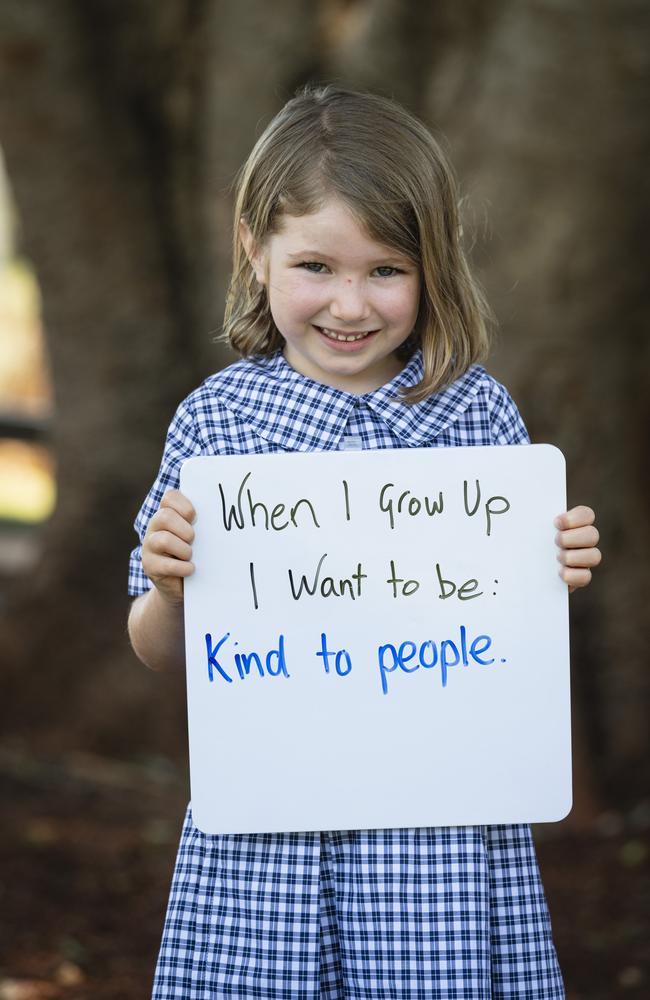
{"points": [[253, 252]]}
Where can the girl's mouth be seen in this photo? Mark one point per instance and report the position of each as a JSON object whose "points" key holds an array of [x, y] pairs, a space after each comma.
{"points": [[335, 337]]}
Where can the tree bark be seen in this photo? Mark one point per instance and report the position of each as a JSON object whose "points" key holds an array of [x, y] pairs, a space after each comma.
{"points": [[119, 152], [554, 140]]}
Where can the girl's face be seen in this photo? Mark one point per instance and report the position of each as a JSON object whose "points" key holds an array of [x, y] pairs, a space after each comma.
{"points": [[342, 302]]}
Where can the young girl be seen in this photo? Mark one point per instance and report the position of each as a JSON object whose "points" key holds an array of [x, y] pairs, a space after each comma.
{"points": [[359, 326]]}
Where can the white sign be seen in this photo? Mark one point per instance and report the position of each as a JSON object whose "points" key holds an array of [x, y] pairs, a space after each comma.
{"points": [[377, 639]]}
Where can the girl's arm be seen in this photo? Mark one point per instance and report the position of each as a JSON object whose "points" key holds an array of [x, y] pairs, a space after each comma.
{"points": [[156, 618], [577, 538]]}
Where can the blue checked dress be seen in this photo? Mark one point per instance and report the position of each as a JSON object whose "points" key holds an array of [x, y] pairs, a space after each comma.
{"points": [[423, 913]]}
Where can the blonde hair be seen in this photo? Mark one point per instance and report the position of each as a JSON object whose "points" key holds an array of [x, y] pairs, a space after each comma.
{"points": [[385, 165]]}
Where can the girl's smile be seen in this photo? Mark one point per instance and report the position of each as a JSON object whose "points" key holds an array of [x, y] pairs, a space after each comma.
{"points": [[342, 302], [345, 338]]}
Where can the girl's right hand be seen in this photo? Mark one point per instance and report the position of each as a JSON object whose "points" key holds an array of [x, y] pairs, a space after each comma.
{"points": [[166, 547]]}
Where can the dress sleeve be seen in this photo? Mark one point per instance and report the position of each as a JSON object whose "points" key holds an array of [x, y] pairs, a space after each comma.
{"points": [[506, 425], [182, 442]]}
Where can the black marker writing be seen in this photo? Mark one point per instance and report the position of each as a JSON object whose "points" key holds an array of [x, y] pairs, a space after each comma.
{"points": [[275, 518]]}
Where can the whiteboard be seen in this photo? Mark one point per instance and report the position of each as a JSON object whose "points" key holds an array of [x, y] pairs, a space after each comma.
{"points": [[377, 639]]}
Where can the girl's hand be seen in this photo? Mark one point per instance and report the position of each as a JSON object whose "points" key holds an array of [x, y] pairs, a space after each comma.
{"points": [[577, 538], [166, 548]]}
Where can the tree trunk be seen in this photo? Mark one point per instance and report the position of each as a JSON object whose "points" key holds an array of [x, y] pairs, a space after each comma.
{"points": [[119, 151], [554, 139]]}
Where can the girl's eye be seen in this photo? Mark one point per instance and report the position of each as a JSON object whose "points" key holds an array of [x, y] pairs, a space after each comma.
{"points": [[313, 266], [387, 272]]}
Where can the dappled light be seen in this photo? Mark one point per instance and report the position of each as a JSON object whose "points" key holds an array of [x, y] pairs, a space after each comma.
{"points": [[27, 478]]}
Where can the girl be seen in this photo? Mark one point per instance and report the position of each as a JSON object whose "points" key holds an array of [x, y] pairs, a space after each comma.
{"points": [[360, 326]]}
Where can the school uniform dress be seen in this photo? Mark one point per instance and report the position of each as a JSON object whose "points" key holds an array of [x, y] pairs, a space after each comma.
{"points": [[422, 913]]}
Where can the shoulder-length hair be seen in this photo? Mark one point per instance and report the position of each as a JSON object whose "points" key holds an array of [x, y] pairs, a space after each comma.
{"points": [[385, 165]]}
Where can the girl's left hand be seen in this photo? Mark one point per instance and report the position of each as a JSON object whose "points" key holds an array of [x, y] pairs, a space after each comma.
{"points": [[577, 538]]}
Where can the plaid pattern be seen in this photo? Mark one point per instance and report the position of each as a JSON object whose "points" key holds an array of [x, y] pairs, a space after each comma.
{"points": [[265, 406], [454, 912]]}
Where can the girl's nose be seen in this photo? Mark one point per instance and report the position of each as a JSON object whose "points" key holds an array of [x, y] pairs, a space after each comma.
{"points": [[349, 301]]}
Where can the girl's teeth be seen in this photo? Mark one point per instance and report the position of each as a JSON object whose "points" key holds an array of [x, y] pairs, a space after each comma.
{"points": [[339, 336]]}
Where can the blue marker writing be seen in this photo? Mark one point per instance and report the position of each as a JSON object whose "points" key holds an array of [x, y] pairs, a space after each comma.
{"points": [[273, 661], [212, 657], [449, 654]]}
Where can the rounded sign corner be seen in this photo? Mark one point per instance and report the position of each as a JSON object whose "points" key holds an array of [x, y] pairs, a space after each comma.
{"points": [[186, 467], [564, 809], [192, 460], [555, 453], [199, 820]]}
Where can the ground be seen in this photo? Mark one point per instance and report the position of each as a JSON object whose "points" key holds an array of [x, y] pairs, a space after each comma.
{"points": [[87, 851]]}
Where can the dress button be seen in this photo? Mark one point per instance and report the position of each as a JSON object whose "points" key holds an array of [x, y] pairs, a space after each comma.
{"points": [[351, 442]]}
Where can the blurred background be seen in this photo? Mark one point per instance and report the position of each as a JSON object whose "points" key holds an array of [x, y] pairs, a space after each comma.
{"points": [[121, 127]]}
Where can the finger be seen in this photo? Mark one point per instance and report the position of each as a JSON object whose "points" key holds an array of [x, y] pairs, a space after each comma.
{"points": [[171, 589], [581, 558], [165, 543], [577, 517], [179, 502], [575, 577], [168, 519], [578, 538], [159, 568]]}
